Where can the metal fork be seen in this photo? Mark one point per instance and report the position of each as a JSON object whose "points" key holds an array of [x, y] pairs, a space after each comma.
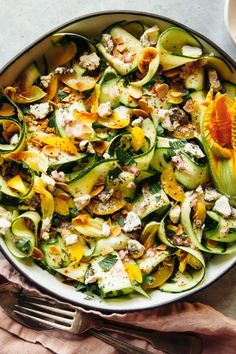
{"points": [[46, 313]]}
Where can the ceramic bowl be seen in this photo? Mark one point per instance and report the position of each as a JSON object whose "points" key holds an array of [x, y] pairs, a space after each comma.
{"points": [[230, 18], [90, 26]]}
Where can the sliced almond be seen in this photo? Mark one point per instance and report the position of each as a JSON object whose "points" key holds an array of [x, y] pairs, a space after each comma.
{"points": [[135, 92], [37, 253], [161, 90], [96, 190], [140, 113], [63, 186], [144, 105], [101, 146], [173, 72], [51, 151]]}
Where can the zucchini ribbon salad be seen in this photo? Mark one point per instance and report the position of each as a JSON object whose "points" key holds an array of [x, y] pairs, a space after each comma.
{"points": [[118, 158]]}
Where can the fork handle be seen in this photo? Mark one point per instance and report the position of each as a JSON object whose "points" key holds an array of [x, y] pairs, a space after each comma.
{"points": [[124, 347], [168, 342]]}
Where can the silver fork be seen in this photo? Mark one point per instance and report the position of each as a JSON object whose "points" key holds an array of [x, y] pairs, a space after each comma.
{"points": [[33, 310]]}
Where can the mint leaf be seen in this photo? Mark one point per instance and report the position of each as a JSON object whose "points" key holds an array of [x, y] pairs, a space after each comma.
{"points": [[23, 244], [155, 188], [108, 262]]}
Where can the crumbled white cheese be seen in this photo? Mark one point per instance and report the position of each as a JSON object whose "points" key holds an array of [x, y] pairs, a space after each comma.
{"points": [[45, 80], [165, 120], [46, 223], [107, 42], [137, 122], [45, 236], [179, 163], [50, 182], [70, 239], [93, 274], [86, 146], [4, 226], [106, 230], [132, 222], [175, 214], [104, 109], [89, 61], [190, 51], [14, 139], [223, 207], [199, 189], [58, 176], [65, 115], [106, 156], [149, 37], [211, 195], [62, 70], [82, 201], [193, 150], [214, 80], [40, 110], [135, 248], [104, 196]]}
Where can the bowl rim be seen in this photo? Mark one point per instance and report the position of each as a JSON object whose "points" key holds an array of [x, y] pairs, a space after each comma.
{"points": [[33, 44]]}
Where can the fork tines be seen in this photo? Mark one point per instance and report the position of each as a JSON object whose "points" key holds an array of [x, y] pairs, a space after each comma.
{"points": [[42, 311]]}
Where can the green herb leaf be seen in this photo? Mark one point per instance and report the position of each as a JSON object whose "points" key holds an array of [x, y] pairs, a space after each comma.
{"points": [[61, 95], [114, 173], [23, 244], [124, 157], [155, 188], [178, 144], [108, 262]]}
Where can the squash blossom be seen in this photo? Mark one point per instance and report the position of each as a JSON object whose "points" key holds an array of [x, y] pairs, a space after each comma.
{"points": [[218, 128]]}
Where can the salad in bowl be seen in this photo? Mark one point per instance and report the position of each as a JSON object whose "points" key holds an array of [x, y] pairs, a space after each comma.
{"points": [[117, 159]]}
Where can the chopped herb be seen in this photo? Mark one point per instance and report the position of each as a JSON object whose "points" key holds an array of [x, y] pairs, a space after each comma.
{"points": [[73, 212], [124, 157], [148, 279], [114, 173], [178, 144], [51, 123], [155, 188], [23, 244], [61, 95], [160, 130], [108, 262]]}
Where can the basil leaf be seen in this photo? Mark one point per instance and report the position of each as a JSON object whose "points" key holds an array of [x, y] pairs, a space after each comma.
{"points": [[108, 262], [124, 157]]}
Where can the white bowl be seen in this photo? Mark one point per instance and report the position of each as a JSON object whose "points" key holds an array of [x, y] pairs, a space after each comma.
{"points": [[91, 25], [230, 18]]}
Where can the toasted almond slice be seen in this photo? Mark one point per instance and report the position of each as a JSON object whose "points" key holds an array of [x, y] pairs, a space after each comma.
{"points": [[135, 92], [63, 186], [140, 113], [172, 72], [37, 253], [101, 146], [144, 105], [51, 151], [96, 190], [162, 90]]}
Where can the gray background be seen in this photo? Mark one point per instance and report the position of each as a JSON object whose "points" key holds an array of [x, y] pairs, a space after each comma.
{"points": [[22, 22]]}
